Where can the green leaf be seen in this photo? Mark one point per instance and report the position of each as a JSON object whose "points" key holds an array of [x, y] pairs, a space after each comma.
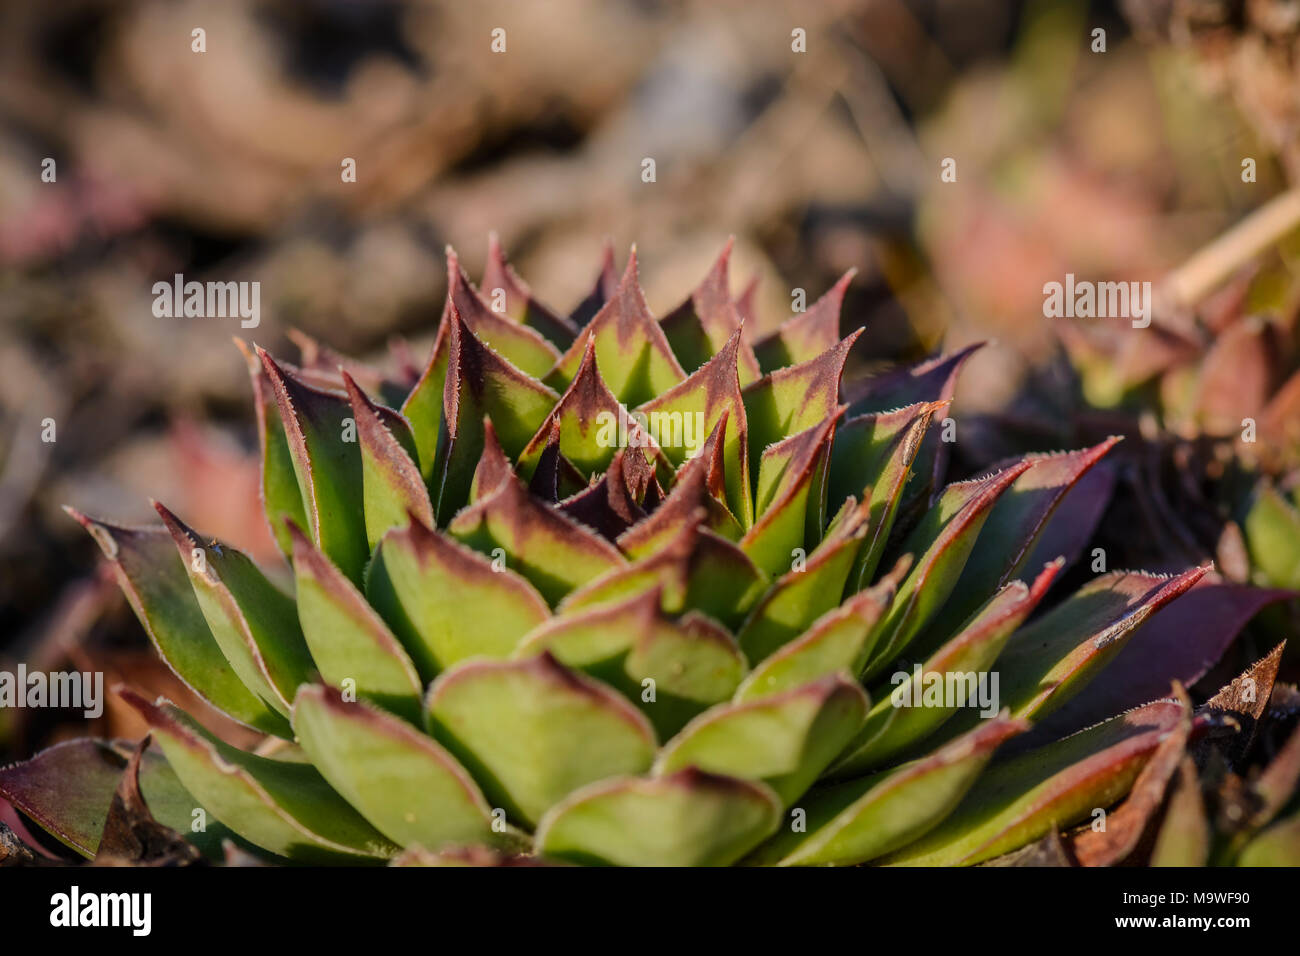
{"points": [[153, 578], [393, 488], [519, 345], [532, 731], [790, 400], [789, 496], [808, 334], [944, 539], [801, 595], [872, 456], [1279, 845], [785, 740], [446, 602], [592, 424], [841, 639], [899, 720], [692, 663], [253, 622], [1013, 527], [328, 468], [861, 820], [697, 569], [690, 818], [1272, 529], [699, 486], [348, 639], [423, 407], [480, 384], [400, 780], [700, 327], [1053, 787], [710, 395], [543, 544], [285, 807], [281, 498], [520, 303], [634, 357], [1047, 662]]}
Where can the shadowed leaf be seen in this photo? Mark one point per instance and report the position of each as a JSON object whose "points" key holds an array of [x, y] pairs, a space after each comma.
{"points": [[700, 327], [154, 580], [520, 303], [393, 487], [519, 345], [1017, 801], [253, 622], [285, 807], [861, 820]]}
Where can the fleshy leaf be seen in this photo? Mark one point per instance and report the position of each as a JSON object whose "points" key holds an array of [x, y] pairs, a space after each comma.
{"points": [[634, 357], [613, 503], [520, 303], [700, 327], [327, 466], [532, 731], [1052, 787], [423, 407], [698, 570], [67, 790], [841, 639], [800, 596], [873, 456], [519, 345], [393, 487], [692, 662], [1009, 533], [604, 289], [899, 719], [785, 740], [1272, 529], [543, 544], [932, 381], [481, 384], [283, 806], [400, 780], [711, 394], [592, 424], [153, 578], [1182, 642], [1050, 660], [807, 335], [690, 818], [347, 638], [793, 399], [861, 820], [790, 488], [446, 602], [1184, 835], [253, 622], [944, 540], [281, 498]]}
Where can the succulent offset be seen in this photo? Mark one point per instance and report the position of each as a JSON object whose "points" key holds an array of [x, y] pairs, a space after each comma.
{"points": [[606, 588]]}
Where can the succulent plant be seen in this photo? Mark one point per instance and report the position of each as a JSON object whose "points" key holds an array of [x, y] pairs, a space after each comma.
{"points": [[606, 588]]}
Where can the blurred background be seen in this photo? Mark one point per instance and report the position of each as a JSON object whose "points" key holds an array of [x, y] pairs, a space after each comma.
{"points": [[226, 165]]}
